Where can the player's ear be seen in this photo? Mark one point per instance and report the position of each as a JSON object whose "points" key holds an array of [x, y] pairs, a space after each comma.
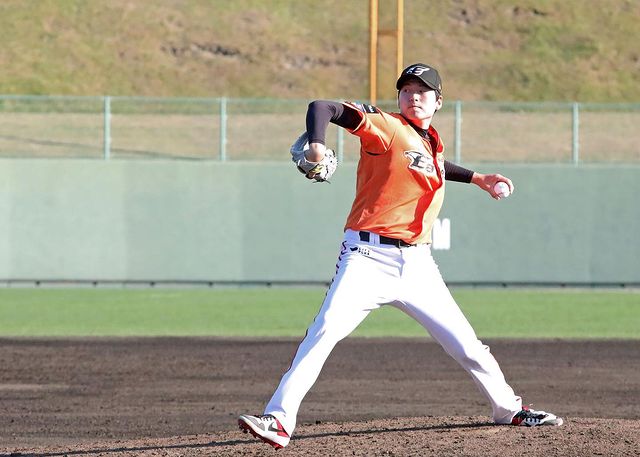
{"points": [[398, 100], [439, 101]]}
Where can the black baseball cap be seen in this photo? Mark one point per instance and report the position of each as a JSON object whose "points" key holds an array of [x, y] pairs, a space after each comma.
{"points": [[425, 73]]}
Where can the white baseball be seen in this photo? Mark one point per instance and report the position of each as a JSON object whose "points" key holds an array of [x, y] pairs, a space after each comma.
{"points": [[502, 189]]}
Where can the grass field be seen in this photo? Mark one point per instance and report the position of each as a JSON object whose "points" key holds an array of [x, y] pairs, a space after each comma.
{"points": [[286, 312]]}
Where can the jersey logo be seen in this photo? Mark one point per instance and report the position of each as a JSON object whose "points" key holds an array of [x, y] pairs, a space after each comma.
{"points": [[367, 108], [440, 159], [420, 162]]}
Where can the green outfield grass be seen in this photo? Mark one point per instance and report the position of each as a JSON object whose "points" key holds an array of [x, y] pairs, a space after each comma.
{"points": [[279, 312]]}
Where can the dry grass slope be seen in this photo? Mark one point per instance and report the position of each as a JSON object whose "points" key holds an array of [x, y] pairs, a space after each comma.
{"points": [[486, 49]]}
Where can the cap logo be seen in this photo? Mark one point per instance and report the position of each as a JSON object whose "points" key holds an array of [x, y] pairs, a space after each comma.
{"points": [[417, 70]]}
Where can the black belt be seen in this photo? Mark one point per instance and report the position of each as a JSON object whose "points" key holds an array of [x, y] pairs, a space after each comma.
{"points": [[365, 236]]}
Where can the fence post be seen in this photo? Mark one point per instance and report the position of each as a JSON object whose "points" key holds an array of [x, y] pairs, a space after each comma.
{"points": [[340, 145], [107, 128], [223, 129], [575, 146], [457, 133]]}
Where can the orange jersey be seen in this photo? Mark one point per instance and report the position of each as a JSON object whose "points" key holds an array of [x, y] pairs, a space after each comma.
{"points": [[400, 178]]}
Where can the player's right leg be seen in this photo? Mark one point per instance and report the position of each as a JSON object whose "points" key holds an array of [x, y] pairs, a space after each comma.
{"points": [[358, 288]]}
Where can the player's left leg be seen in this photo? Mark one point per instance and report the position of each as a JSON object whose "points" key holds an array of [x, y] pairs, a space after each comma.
{"points": [[427, 299]]}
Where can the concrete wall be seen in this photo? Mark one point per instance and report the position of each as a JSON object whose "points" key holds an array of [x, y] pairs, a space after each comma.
{"points": [[207, 221]]}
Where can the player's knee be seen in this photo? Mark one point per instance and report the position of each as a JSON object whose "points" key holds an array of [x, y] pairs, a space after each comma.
{"points": [[471, 356], [329, 328]]}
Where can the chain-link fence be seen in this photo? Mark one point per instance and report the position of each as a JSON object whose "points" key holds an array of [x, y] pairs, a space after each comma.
{"points": [[263, 129]]}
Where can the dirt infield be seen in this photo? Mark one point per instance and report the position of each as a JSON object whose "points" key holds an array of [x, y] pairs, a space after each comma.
{"points": [[181, 396]]}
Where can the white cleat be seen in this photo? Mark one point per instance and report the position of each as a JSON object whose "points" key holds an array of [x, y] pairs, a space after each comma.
{"points": [[532, 418], [266, 428]]}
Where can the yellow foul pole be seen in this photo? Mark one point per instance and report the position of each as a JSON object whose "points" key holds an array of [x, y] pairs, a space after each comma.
{"points": [[373, 50], [374, 32], [399, 40]]}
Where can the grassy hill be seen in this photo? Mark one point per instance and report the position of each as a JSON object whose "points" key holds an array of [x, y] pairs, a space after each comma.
{"points": [[485, 49]]}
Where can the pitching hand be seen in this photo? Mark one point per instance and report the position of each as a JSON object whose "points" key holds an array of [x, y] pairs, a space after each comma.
{"points": [[487, 182]]}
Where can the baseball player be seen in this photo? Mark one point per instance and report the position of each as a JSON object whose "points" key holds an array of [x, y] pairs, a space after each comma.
{"points": [[385, 257]]}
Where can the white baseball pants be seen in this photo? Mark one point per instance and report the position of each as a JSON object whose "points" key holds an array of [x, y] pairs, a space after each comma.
{"points": [[370, 275]]}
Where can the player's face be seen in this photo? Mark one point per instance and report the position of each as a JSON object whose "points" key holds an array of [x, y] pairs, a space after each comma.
{"points": [[417, 102]]}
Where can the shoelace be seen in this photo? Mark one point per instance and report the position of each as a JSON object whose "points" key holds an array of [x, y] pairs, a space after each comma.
{"points": [[267, 418], [538, 416]]}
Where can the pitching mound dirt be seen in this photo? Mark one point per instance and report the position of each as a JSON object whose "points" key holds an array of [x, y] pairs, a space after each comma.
{"points": [[403, 397]]}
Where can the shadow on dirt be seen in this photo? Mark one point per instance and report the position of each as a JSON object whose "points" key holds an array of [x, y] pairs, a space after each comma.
{"points": [[214, 444]]}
